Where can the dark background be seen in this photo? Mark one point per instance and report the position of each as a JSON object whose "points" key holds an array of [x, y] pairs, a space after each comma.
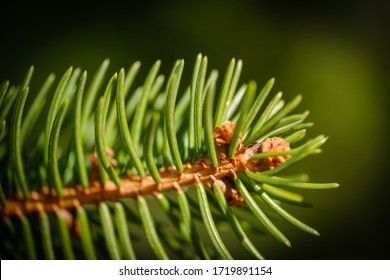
{"points": [[336, 53]]}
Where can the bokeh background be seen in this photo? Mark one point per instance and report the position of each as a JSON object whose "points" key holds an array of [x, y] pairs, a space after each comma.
{"points": [[336, 53]]}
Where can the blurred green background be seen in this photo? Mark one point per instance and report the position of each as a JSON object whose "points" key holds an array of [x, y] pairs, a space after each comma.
{"points": [[336, 53]]}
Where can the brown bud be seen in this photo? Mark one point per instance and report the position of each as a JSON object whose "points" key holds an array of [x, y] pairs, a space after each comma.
{"points": [[233, 197], [224, 134], [275, 144]]}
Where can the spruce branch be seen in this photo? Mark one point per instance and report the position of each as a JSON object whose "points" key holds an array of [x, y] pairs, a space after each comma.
{"points": [[155, 141]]}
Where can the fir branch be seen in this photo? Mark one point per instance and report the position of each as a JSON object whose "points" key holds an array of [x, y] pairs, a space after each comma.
{"points": [[88, 182]]}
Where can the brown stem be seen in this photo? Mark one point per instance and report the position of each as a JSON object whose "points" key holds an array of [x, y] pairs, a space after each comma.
{"points": [[131, 187]]}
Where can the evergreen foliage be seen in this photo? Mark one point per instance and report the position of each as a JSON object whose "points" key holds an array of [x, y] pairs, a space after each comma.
{"points": [[81, 164]]}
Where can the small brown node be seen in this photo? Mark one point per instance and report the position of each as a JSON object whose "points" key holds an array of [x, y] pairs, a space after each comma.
{"points": [[67, 215], [275, 144], [34, 195], [223, 134], [93, 157], [222, 137], [233, 197]]}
